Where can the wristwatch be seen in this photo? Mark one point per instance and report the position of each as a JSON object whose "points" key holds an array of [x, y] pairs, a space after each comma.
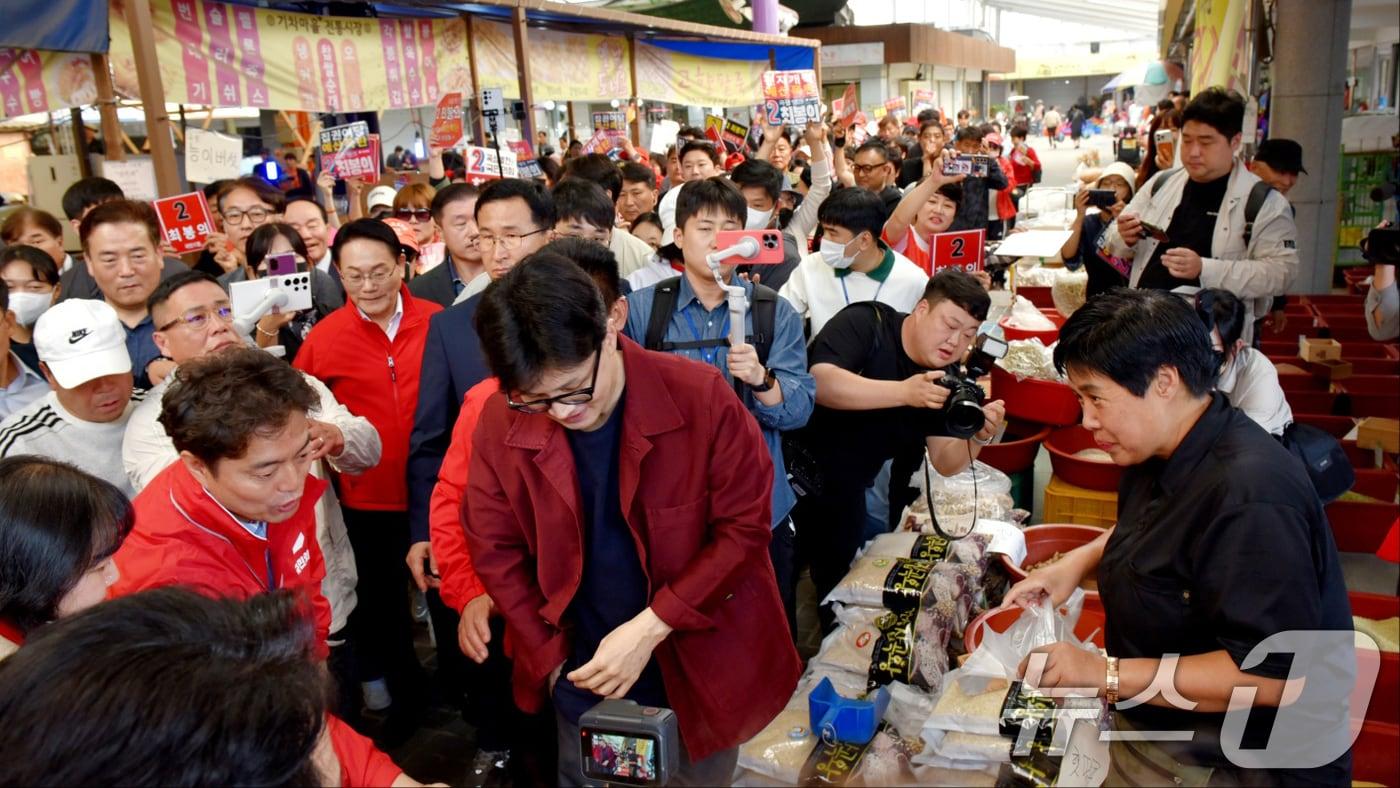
{"points": [[769, 379], [1111, 682]]}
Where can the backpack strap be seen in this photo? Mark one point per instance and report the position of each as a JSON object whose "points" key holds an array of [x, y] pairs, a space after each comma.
{"points": [[765, 318], [1258, 195], [663, 305], [1161, 179]]}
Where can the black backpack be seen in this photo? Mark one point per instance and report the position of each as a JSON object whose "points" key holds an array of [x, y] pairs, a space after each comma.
{"points": [[1252, 205], [663, 305]]}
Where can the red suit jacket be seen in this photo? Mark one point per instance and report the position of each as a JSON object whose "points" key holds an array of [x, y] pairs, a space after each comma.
{"points": [[695, 479]]}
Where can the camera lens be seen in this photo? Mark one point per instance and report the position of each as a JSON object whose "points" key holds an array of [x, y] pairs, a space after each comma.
{"points": [[962, 413]]}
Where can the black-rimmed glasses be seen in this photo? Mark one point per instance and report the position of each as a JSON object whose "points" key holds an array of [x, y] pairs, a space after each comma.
{"points": [[579, 397]]}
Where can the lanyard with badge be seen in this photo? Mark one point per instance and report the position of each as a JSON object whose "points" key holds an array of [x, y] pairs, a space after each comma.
{"points": [[712, 353]]}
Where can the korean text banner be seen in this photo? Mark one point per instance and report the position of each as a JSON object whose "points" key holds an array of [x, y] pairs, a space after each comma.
{"points": [[563, 66], [664, 75], [32, 80], [226, 55]]}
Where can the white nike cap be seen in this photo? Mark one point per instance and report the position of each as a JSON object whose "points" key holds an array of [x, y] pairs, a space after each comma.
{"points": [[81, 340]]}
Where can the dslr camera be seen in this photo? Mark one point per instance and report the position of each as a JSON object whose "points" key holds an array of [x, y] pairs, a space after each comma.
{"points": [[962, 411]]}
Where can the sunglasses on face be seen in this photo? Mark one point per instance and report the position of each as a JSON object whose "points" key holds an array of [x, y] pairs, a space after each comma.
{"points": [[409, 214]]}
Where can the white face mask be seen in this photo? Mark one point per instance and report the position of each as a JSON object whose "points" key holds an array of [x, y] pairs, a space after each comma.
{"points": [[758, 220], [29, 306], [834, 254]]}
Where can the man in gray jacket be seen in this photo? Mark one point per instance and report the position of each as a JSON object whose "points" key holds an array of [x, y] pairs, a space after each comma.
{"points": [[1188, 226]]}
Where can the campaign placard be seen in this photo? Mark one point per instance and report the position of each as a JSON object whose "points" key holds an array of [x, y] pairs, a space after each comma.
{"points": [[346, 151], [447, 122], [792, 98], [963, 250], [185, 221]]}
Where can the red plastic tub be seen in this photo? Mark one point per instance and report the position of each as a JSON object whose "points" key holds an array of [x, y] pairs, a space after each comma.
{"points": [[1336, 426], [1359, 527], [1036, 401], [1385, 696], [1080, 472], [1091, 620], [1317, 402], [1373, 754], [1040, 297], [1017, 449], [1043, 541], [1047, 338]]}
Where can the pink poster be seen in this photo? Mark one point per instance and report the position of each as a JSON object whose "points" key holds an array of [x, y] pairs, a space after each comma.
{"points": [[330, 78], [393, 70], [425, 45], [191, 40], [221, 50], [411, 62], [254, 70]]}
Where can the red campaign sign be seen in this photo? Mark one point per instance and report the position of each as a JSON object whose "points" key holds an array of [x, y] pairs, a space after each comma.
{"points": [[447, 122], [348, 151], [522, 150], [963, 250], [849, 106], [896, 105], [185, 222]]}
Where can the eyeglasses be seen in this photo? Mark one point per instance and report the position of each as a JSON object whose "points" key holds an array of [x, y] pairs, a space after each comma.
{"points": [[409, 214], [255, 215], [198, 320], [378, 277], [866, 169], [509, 242], [579, 397]]}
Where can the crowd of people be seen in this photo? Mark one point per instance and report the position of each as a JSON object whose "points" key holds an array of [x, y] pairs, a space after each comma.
{"points": [[521, 401]]}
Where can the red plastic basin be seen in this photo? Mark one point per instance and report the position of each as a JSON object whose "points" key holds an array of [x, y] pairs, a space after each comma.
{"points": [[1370, 366], [1317, 402], [1359, 527], [1373, 395], [1036, 401], [1385, 696], [1371, 384], [1047, 338], [1043, 541], [1368, 349], [1040, 297], [1336, 426], [1017, 449], [1078, 471], [1091, 621], [1373, 754]]}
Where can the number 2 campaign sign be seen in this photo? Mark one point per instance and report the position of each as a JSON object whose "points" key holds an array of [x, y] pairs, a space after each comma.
{"points": [[185, 222], [959, 250]]}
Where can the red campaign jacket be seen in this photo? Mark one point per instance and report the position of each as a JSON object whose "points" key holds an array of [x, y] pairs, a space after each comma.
{"points": [[184, 537], [460, 583], [376, 379], [695, 481]]}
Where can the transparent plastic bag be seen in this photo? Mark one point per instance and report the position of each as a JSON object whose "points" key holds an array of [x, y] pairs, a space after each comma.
{"points": [[973, 707], [1029, 358], [999, 654], [979, 492], [1027, 317], [1070, 290]]}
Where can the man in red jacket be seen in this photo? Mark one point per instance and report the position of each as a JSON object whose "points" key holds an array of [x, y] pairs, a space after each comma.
{"points": [[617, 512], [236, 516], [368, 353]]}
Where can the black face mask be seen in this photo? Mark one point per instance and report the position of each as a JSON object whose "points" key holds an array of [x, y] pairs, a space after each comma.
{"points": [[784, 216]]}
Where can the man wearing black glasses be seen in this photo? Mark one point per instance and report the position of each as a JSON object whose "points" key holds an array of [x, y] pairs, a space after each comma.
{"points": [[617, 512]]}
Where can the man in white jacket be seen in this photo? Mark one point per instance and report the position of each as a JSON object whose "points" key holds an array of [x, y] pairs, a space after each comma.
{"points": [[1188, 226], [193, 317]]}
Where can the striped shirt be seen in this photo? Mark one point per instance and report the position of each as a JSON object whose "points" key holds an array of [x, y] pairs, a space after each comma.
{"points": [[47, 429]]}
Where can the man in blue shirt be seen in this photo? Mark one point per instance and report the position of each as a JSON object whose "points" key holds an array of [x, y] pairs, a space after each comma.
{"points": [[121, 246], [779, 393]]}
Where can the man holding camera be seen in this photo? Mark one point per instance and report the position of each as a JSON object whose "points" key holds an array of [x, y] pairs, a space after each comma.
{"points": [[883, 381], [1192, 226]]}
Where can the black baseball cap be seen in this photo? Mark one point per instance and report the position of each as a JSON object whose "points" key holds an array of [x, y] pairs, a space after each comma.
{"points": [[1282, 155]]}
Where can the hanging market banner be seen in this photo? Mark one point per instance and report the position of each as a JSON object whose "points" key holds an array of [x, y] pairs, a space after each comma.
{"points": [[563, 66], [678, 78], [33, 80], [226, 55], [1219, 54]]}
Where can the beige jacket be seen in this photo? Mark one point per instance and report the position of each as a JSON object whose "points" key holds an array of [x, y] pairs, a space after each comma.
{"points": [[1257, 273]]}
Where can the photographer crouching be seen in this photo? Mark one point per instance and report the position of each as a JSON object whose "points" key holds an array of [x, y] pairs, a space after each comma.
{"points": [[889, 385]]}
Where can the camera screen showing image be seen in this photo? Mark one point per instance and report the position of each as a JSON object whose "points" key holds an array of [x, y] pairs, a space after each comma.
{"points": [[618, 758], [962, 164]]}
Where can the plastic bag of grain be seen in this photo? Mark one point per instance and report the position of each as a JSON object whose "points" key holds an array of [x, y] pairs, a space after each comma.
{"points": [[879, 581], [1070, 290]]}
